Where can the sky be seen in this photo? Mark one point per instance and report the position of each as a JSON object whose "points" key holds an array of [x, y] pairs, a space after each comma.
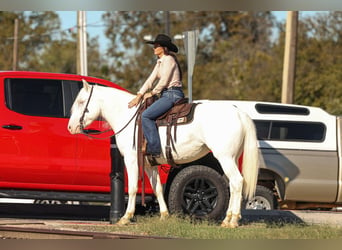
{"points": [[95, 25]]}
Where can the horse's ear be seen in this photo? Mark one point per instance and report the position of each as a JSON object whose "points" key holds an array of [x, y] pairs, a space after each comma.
{"points": [[86, 85]]}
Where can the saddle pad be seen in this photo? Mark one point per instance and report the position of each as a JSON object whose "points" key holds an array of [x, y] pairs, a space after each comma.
{"points": [[178, 114]]}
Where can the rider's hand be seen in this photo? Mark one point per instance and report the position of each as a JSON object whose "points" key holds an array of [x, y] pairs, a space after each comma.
{"points": [[135, 101], [147, 95]]}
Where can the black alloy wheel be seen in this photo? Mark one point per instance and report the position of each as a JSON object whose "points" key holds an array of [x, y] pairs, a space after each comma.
{"points": [[199, 191]]}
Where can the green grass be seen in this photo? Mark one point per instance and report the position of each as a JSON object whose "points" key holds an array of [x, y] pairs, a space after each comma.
{"points": [[186, 228]]}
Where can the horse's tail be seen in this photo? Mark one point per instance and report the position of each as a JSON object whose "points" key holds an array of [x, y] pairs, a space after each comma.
{"points": [[250, 160]]}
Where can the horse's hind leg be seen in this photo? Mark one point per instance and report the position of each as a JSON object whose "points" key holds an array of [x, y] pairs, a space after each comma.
{"points": [[231, 170], [153, 175]]}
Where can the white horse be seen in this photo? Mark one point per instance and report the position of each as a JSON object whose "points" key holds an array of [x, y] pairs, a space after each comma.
{"points": [[217, 126]]}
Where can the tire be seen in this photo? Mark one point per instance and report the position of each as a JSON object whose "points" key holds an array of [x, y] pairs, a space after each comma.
{"points": [[60, 202], [264, 199], [48, 202], [200, 192]]}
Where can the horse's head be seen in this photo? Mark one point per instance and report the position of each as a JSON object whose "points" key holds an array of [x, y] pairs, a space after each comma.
{"points": [[84, 110]]}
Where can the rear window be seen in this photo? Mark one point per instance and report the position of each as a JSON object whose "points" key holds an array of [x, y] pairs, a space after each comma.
{"points": [[36, 97], [280, 109], [290, 131]]}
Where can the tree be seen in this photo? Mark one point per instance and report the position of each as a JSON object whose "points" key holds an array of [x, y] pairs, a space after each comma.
{"points": [[130, 57], [7, 38], [61, 55], [319, 62], [43, 46], [230, 43], [237, 57], [35, 31]]}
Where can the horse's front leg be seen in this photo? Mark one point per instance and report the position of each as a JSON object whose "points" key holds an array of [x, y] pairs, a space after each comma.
{"points": [[132, 175], [153, 175]]}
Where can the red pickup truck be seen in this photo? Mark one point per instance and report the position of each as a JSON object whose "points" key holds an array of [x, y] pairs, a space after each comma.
{"points": [[37, 152], [40, 159]]}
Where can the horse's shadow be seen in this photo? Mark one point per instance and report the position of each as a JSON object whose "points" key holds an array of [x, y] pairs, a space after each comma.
{"points": [[269, 217]]}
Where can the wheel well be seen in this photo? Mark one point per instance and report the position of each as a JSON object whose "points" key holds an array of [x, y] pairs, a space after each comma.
{"points": [[208, 160], [273, 181]]}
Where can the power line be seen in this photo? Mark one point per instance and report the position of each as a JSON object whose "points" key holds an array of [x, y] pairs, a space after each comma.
{"points": [[51, 33]]}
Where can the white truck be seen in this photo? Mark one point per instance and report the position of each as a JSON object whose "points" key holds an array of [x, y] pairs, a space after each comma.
{"points": [[301, 149]]}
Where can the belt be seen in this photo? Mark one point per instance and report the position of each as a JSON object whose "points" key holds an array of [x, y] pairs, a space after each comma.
{"points": [[173, 88]]}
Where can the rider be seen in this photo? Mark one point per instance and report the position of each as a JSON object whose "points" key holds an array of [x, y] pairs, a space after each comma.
{"points": [[169, 86]]}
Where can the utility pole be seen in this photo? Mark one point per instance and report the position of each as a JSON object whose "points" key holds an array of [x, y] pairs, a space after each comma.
{"points": [[15, 45], [289, 66], [190, 42], [82, 63]]}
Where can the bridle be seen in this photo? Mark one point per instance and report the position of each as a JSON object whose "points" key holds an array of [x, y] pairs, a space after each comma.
{"points": [[86, 110]]}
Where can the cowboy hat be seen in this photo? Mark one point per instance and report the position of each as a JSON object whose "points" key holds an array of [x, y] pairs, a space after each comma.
{"points": [[164, 41]]}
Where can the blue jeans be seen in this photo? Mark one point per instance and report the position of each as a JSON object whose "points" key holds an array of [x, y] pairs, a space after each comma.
{"points": [[149, 116]]}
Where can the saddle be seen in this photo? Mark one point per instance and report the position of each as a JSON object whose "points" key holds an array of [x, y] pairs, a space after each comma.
{"points": [[181, 113]]}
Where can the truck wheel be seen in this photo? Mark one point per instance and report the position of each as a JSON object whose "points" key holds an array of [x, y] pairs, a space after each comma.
{"points": [[264, 199], [48, 202], [199, 191]]}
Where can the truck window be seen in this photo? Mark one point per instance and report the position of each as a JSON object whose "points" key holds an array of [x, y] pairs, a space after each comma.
{"points": [[290, 131], [71, 89], [36, 97], [280, 109]]}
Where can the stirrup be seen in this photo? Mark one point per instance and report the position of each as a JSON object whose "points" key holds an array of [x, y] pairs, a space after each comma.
{"points": [[152, 160]]}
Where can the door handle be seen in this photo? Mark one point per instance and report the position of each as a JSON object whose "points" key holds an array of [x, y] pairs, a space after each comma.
{"points": [[12, 127]]}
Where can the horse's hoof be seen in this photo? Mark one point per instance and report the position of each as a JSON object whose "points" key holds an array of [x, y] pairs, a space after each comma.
{"points": [[123, 221], [233, 225], [229, 225], [231, 221], [164, 215], [228, 218], [225, 224]]}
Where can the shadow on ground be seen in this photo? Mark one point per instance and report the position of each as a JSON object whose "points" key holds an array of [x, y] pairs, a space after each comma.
{"points": [[279, 217], [60, 211]]}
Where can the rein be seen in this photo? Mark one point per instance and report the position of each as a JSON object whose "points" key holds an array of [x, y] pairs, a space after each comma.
{"points": [[98, 133]]}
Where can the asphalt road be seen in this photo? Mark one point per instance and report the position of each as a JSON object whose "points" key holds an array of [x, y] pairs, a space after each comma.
{"points": [[333, 218], [101, 213]]}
